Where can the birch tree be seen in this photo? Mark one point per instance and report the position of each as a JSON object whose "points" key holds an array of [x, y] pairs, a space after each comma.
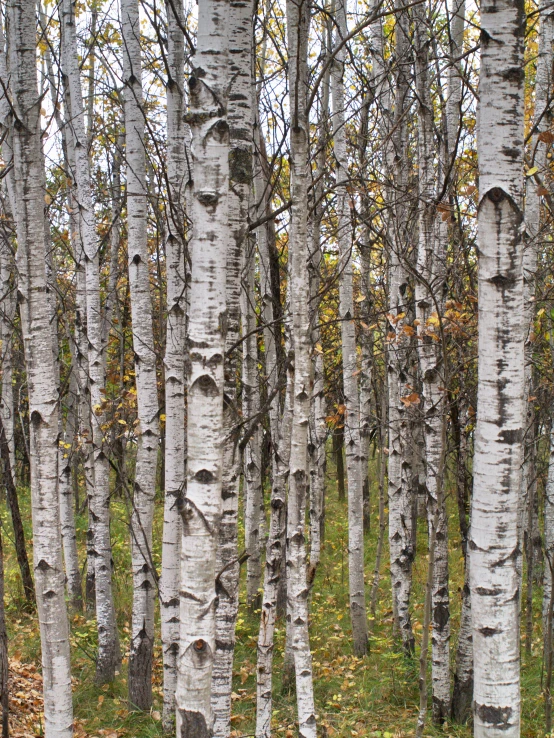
{"points": [[240, 119], [399, 473], [298, 16], [202, 506], [43, 399], [108, 641], [174, 362], [430, 292], [498, 457], [354, 460], [142, 628]]}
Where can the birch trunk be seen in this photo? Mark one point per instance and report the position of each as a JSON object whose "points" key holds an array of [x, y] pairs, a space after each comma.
{"points": [[239, 118], [399, 472], [454, 102], [548, 536], [67, 508], [253, 492], [202, 506], [274, 567], [430, 290], [493, 544], [280, 426], [174, 362], [318, 425], [99, 514], [298, 19], [43, 395], [352, 442], [7, 315], [144, 585], [534, 230]]}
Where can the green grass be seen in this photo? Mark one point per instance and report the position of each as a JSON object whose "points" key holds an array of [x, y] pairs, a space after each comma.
{"points": [[374, 696]]}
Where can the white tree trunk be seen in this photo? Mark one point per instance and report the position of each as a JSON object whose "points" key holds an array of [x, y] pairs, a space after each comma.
{"points": [[280, 426], [8, 278], [297, 592], [202, 506], [253, 493], [318, 425], [108, 642], [67, 506], [176, 269], [454, 102], [144, 586], [399, 471], [352, 441], [429, 292], [240, 175], [43, 393], [500, 413]]}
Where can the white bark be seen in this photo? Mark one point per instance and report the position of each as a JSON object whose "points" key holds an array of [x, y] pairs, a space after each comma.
{"points": [[43, 395], [352, 441], [429, 291], [67, 511], [454, 102], [8, 280], [548, 532], [239, 20], [297, 591], [399, 471], [318, 424], [253, 493], [144, 587], [280, 426], [7, 314], [202, 506], [498, 456], [174, 361], [108, 642]]}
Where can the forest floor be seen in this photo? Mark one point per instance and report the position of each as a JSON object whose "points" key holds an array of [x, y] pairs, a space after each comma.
{"points": [[374, 696]]}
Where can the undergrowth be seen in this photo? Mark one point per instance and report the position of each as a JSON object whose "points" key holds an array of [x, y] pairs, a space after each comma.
{"points": [[374, 696]]}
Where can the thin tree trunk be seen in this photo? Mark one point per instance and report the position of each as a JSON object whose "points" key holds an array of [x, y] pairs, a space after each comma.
{"points": [[240, 119], [401, 543], [493, 545], [13, 504], [4, 664], [202, 506], [174, 361], [298, 19], [280, 427], [429, 292], [253, 492], [108, 641], [144, 585], [43, 394], [352, 442]]}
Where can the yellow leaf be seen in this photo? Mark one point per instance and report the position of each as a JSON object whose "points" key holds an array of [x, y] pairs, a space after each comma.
{"points": [[532, 171]]}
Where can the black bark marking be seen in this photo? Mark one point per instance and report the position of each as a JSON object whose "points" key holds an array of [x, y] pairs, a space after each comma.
{"points": [[488, 632], [204, 476], [240, 166], [206, 385], [441, 615], [511, 436], [193, 725], [497, 716]]}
